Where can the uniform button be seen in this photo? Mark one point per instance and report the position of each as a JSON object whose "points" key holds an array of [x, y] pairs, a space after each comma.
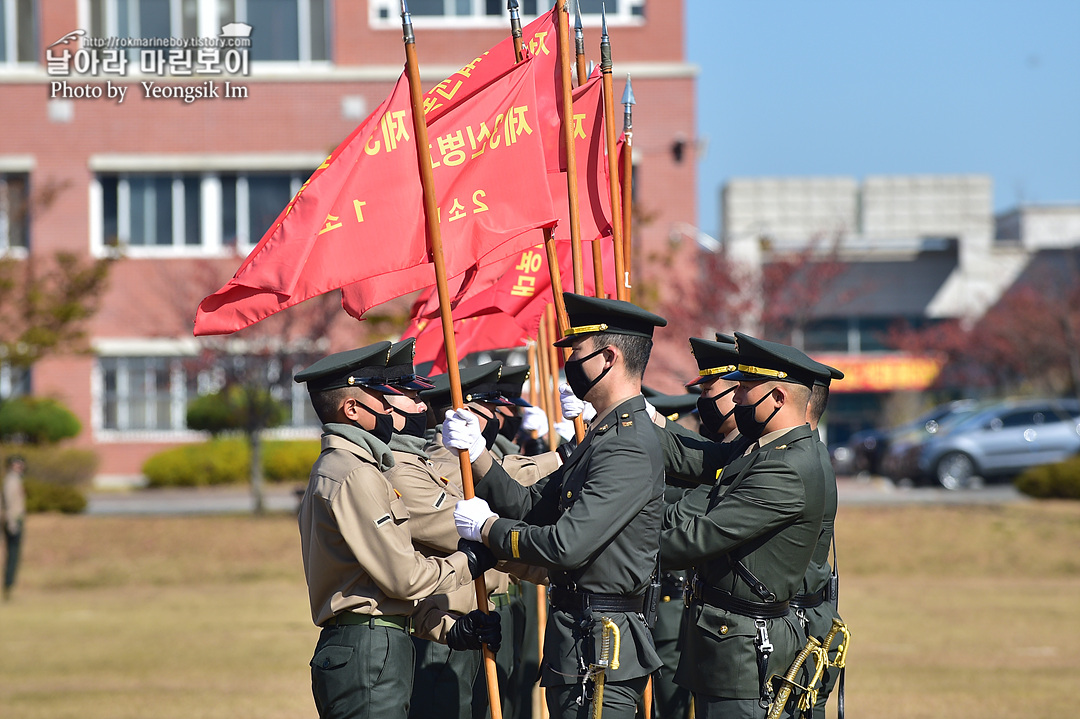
{"points": [[667, 598], [569, 495], [326, 663], [723, 629], [625, 415]]}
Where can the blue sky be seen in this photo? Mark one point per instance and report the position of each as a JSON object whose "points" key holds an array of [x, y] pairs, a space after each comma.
{"points": [[838, 87]]}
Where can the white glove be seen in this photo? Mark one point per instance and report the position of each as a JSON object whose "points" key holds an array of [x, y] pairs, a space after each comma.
{"points": [[461, 430], [565, 428], [572, 405], [534, 419], [469, 517]]}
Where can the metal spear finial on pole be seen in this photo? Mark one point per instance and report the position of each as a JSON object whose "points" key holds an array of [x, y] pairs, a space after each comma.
{"points": [[434, 237], [515, 27], [621, 282]]}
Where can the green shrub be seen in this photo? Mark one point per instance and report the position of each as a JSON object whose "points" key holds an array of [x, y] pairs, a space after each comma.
{"points": [[47, 497], [289, 461], [233, 408], [219, 461], [1052, 481], [36, 420], [62, 467], [227, 461]]}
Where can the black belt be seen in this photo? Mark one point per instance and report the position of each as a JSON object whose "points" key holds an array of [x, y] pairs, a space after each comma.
{"points": [[809, 601], [580, 602], [726, 601]]}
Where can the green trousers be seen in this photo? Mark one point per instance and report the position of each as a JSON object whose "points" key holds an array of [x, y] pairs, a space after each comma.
{"points": [[621, 700], [359, 670], [670, 701], [443, 681]]}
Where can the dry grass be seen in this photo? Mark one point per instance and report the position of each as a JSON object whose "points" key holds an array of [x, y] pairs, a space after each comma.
{"points": [[956, 612]]}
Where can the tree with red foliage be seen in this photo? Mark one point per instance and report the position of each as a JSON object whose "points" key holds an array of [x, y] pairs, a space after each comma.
{"points": [[1026, 343]]}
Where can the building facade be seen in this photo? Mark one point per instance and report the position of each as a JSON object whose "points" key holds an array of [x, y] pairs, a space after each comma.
{"points": [[121, 160]]}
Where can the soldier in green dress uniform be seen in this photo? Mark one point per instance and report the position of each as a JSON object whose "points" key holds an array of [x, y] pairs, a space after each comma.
{"points": [[751, 546], [365, 579], [817, 600], [594, 523]]}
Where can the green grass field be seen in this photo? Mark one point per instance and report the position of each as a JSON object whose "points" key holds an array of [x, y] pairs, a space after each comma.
{"points": [[955, 612]]}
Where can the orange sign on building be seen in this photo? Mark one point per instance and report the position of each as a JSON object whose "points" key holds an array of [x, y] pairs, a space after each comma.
{"points": [[882, 373]]}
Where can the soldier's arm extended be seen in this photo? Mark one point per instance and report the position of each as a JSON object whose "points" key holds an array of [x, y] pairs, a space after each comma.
{"points": [[376, 531], [690, 457], [618, 487], [771, 495], [537, 504]]}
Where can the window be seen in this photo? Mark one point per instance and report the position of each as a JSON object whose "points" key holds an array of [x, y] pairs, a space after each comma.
{"points": [[151, 394], [161, 214], [14, 381], [493, 13], [282, 30], [18, 31], [14, 210]]}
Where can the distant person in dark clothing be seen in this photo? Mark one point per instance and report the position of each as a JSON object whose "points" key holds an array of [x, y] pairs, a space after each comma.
{"points": [[12, 512]]}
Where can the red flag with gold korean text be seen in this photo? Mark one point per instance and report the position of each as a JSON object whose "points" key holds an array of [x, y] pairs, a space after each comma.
{"points": [[360, 215], [516, 289]]}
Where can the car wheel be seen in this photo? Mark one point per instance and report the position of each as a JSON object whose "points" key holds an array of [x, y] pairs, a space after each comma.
{"points": [[955, 471]]}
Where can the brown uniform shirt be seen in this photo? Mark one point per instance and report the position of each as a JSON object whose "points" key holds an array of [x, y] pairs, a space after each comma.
{"points": [[356, 541]]}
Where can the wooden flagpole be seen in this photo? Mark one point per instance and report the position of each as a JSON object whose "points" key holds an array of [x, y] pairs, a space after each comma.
{"points": [[563, 34], [621, 283], [434, 236], [628, 184], [582, 78]]}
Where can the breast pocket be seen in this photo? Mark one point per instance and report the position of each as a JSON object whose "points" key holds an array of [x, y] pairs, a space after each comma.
{"points": [[399, 511]]}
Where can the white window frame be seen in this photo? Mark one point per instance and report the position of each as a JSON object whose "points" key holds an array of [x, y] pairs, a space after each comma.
{"points": [[10, 59], [478, 18], [7, 169], [208, 25], [209, 170], [175, 351]]}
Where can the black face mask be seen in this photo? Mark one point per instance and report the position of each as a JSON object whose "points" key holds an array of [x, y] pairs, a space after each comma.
{"points": [[415, 423], [490, 431], [712, 419], [747, 422], [579, 382], [384, 425], [510, 427]]}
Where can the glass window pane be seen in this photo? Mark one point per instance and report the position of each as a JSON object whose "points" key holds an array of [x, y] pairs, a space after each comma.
{"points": [[228, 210], [427, 7], [267, 197], [528, 7], [110, 229], [163, 212], [463, 7], [826, 336], [320, 49], [494, 7], [189, 13], [154, 18], [26, 31], [274, 36], [138, 189], [192, 214], [3, 35]]}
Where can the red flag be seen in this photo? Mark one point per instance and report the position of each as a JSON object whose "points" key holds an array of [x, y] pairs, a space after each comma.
{"points": [[540, 43], [594, 201], [360, 215], [517, 289], [509, 120]]}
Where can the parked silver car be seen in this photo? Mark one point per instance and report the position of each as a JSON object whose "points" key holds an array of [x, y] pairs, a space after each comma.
{"points": [[1000, 440]]}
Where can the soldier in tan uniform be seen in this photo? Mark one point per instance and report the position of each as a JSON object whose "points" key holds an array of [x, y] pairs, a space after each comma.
{"points": [[365, 578]]}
